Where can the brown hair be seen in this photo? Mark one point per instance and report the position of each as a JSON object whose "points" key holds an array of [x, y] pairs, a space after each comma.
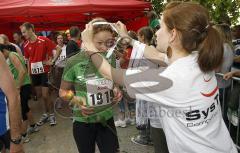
{"points": [[28, 26], [5, 38], [191, 20], [225, 33], [101, 27], [132, 34], [74, 31], [236, 32], [152, 15], [147, 33]]}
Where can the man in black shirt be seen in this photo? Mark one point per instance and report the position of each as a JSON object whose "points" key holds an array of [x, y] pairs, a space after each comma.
{"points": [[72, 46]]}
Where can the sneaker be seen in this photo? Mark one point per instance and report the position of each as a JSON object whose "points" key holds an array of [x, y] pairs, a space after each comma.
{"points": [[52, 120], [120, 123], [43, 120], [33, 129], [141, 140], [130, 121], [25, 139]]}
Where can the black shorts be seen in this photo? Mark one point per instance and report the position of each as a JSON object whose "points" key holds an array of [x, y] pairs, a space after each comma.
{"points": [[5, 141], [25, 94], [40, 79], [87, 134]]}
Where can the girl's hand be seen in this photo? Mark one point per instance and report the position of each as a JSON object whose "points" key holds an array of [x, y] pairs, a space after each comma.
{"points": [[86, 111], [117, 95], [80, 102]]}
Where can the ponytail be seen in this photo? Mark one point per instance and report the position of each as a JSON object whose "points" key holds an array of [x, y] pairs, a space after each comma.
{"points": [[210, 51], [191, 20]]}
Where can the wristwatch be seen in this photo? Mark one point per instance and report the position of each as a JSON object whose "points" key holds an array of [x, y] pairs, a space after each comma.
{"points": [[17, 140]]}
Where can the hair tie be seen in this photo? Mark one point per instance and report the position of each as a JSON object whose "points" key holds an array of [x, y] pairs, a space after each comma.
{"points": [[207, 27]]}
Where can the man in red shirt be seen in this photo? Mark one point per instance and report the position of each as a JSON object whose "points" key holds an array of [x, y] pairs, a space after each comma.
{"points": [[38, 51]]}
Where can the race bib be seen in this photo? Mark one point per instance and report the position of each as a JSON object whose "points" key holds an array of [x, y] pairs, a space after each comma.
{"points": [[61, 57], [37, 68], [99, 92]]}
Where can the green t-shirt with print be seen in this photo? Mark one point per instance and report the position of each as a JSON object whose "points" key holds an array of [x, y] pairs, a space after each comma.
{"points": [[90, 84], [14, 71]]}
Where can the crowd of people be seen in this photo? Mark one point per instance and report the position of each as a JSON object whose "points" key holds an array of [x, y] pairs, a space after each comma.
{"points": [[167, 67]]}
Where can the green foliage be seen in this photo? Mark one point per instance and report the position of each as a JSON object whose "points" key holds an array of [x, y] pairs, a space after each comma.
{"points": [[221, 11], [158, 6]]}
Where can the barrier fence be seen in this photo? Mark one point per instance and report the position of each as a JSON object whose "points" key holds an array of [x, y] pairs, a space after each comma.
{"points": [[230, 103]]}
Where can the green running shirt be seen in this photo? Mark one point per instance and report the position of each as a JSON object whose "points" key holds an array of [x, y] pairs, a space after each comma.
{"points": [[14, 71], [80, 71]]}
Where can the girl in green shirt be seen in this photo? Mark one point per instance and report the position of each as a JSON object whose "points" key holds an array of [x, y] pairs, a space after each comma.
{"points": [[93, 118]]}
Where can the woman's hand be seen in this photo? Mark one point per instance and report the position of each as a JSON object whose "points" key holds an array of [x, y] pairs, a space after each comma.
{"points": [[228, 75], [117, 95], [121, 28]]}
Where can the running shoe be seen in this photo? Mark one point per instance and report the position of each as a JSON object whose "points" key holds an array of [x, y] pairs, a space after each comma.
{"points": [[33, 129], [140, 140], [52, 120], [43, 119], [25, 138], [120, 123]]}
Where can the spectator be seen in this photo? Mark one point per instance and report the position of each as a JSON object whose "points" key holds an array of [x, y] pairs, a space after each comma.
{"points": [[72, 45]]}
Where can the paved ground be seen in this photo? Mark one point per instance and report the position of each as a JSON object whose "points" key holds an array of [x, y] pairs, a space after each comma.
{"points": [[59, 139]]}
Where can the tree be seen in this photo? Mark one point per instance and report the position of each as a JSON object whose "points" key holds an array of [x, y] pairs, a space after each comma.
{"points": [[221, 11]]}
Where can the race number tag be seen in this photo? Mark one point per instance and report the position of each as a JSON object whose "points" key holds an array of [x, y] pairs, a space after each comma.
{"points": [[37, 68], [99, 92], [61, 57]]}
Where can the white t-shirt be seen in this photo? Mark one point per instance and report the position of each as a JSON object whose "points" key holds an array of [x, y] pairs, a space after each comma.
{"points": [[151, 111], [190, 108], [61, 57], [228, 56]]}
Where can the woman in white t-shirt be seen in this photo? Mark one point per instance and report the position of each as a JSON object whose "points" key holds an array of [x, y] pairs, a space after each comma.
{"points": [[187, 89]]}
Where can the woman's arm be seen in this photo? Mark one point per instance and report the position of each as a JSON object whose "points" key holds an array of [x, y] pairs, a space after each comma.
{"points": [[58, 52], [116, 75], [229, 75], [9, 89], [150, 52]]}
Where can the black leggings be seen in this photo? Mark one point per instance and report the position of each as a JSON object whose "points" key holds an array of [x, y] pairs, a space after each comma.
{"points": [[159, 140], [87, 134], [25, 93]]}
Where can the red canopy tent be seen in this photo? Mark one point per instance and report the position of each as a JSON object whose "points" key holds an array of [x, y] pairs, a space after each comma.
{"points": [[61, 14]]}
